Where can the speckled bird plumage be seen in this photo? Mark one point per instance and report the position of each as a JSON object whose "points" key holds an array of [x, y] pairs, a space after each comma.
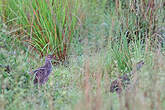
{"points": [[42, 73]]}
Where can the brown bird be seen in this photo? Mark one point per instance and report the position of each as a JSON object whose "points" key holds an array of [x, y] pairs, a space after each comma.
{"points": [[124, 80], [42, 73]]}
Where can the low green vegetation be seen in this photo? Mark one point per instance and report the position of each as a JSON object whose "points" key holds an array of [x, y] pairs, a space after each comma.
{"points": [[94, 41]]}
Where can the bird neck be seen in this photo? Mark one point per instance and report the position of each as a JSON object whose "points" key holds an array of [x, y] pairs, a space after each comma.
{"points": [[48, 64]]}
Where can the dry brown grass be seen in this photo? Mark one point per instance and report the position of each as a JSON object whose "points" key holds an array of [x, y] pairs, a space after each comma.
{"points": [[146, 91]]}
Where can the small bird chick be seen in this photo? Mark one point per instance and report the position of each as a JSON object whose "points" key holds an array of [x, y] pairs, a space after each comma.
{"points": [[42, 73]]}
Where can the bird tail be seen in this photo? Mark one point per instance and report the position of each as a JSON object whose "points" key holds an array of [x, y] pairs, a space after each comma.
{"points": [[35, 71]]}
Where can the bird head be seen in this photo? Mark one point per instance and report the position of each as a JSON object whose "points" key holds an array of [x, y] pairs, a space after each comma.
{"points": [[139, 65], [49, 57]]}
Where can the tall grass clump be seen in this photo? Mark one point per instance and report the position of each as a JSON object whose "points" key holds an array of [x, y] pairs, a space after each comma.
{"points": [[49, 24], [133, 28], [137, 18]]}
